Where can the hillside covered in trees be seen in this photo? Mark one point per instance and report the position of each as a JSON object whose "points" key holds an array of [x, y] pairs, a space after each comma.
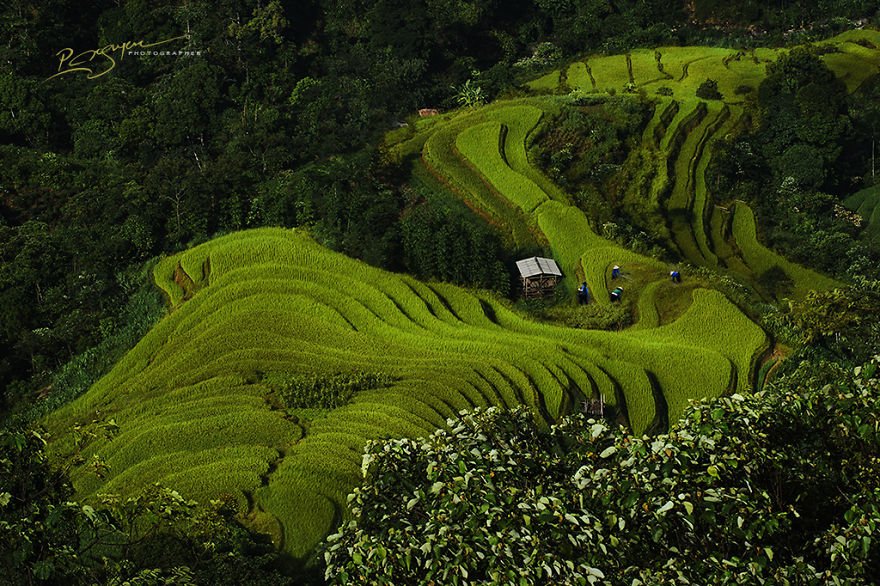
{"points": [[257, 256]]}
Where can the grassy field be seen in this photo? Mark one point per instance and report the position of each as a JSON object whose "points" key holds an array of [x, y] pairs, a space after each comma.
{"points": [[192, 411], [683, 69], [549, 82], [677, 149], [475, 144], [439, 153], [680, 204], [646, 68], [761, 259], [610, 72], [701, 208], [578, 77]]}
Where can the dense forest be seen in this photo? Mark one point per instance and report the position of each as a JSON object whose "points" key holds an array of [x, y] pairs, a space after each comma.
{"points": [[275, 113]]}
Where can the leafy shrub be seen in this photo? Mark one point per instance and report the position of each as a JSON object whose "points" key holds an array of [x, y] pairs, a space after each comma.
{"points": [[469, 95], [745, 489], [543, 55], [305, 391], [582, 99], [708, 90], [664, 91], [775, 279], [633, 238], [743, 89]]}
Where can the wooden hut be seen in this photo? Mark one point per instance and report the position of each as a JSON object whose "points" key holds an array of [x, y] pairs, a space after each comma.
{"points": [[539, 275]]}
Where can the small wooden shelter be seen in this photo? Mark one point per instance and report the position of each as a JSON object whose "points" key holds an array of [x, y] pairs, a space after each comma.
{"points": [[539, 275]]}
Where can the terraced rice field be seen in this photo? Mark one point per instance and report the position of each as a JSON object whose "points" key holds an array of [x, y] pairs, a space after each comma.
{"points": [[193, 414], [678, 140], [866, 203], [189, 400], [704, 234], [682, 69], [439, 152], [761, 259], [488, 150], [476, 143], [547, 82]]}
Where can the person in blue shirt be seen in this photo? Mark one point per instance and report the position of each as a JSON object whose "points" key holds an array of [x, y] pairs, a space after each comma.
{"points": [[615, 272], [676, 276], [583, 293]]}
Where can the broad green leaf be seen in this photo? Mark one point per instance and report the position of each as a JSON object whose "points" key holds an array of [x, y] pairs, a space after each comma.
{"points": [[608, 452]]}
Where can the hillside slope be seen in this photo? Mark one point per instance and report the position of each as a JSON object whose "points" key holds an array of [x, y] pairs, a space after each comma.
{"points": [[194, 410], [197, 405]]}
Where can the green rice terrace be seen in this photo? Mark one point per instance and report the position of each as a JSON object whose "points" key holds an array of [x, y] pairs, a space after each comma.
{"points": [[867, 204], [231, 392]]}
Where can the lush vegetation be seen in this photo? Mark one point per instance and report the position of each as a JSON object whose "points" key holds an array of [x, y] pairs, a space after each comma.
{"points": [[799, 164], [352, 353], [644, 134], [780, 486], [152, 537], [808, 129], [866, 203], [102, 174]]}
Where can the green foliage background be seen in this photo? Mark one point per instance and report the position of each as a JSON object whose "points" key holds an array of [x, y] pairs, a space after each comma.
{"points": [[279, 122], [776, 486]]}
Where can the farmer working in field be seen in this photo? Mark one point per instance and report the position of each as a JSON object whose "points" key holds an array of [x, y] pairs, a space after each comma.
{"points": [[583, 293]]}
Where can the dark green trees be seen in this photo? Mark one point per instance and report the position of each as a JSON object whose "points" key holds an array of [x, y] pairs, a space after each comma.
{"points": [[39, 529], [708, 90], [804, 116], [156, 537], [445, 244]]}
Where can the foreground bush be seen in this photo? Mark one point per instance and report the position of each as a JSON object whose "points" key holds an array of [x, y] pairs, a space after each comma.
{"points": [[154, 537], [778, 487]]}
